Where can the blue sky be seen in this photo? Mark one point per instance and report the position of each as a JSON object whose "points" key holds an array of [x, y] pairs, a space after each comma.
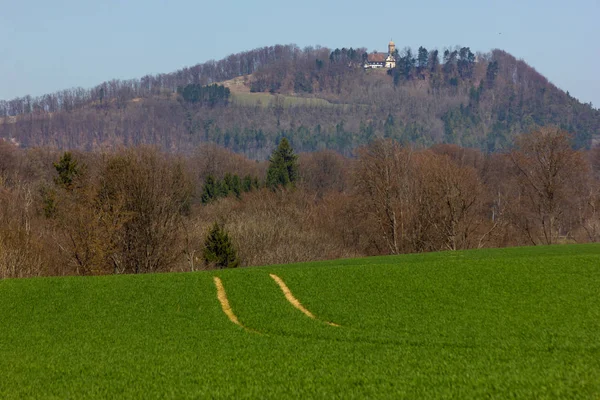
{"points": [[51, 45]]}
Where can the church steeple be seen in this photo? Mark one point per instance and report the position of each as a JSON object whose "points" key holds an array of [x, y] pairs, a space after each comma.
{"points": [[391, 47]]}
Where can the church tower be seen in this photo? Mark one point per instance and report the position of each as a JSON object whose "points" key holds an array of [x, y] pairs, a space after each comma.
{"points": [[391, 48], [390, 61]]}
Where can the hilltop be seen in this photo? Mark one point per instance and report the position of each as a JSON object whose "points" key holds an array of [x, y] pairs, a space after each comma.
{"points": [[319, 98]]}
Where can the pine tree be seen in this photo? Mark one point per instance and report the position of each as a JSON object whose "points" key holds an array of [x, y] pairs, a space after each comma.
{"points": [[68, 169], [209, 190], [423, 57], [236, 186], [283, 166], [247, 184], [218, 249]]}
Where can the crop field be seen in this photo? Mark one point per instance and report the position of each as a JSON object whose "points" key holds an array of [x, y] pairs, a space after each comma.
{"points": [[518, 323]]}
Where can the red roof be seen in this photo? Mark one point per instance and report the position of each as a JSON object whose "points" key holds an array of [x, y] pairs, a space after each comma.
{"points": [[377, 57]]}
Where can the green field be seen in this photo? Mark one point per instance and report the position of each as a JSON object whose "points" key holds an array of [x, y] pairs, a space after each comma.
{"points": [[519, 323], [268, 100]]}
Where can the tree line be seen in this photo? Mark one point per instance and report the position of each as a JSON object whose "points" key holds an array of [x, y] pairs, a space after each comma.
{"points": [[429, 98], [118, 92], [210, 95], [137, 210]]}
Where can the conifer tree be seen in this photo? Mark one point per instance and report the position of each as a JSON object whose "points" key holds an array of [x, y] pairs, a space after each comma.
{"points": [[218, 249], [209, 190], [283, 166], [68, 169], [236, 186]]}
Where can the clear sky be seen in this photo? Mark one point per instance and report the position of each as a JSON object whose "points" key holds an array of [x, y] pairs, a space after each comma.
{"points": [[51, 45]]}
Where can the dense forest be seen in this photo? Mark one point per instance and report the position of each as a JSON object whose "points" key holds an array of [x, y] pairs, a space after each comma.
{"points": [[431, 97], [140, 209]]}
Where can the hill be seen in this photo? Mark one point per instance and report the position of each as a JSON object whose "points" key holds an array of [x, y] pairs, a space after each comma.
{"points": [[319, 98], [519, 322]]}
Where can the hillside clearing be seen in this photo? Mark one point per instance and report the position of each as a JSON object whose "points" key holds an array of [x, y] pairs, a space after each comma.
{"points": [[270, 100]]}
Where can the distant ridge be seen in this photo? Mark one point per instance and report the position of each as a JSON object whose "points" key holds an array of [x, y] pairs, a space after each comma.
{"points": [[430, 97]]}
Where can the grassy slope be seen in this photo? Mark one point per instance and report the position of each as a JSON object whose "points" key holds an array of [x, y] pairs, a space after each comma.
{"points": [[268, 100], [511, 322]]}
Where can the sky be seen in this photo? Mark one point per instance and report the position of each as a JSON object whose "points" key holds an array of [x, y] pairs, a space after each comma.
{"points": [[46, 46]]}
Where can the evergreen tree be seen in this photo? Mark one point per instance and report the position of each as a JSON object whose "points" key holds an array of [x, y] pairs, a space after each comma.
{"points": [[209, 190], [491, 73], [227, 185], [434, 60], [283, 166], [68, 169], [247, 184], [466, 62], [218, 249], [408, 64], [236, 186], [388, 127], [211, 95], [423, 57], [231, 184]]}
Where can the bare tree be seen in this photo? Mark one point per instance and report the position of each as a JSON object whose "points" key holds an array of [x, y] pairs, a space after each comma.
{"points": [[150, 195], [549, 178], [449, 198], [382, 177]]}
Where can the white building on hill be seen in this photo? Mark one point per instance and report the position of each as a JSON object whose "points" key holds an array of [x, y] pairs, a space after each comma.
{"points": [[381, 60]]}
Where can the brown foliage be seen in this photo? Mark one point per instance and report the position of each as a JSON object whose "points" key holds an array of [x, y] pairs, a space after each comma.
{"points": [[382, 177], [128, 218], [324, 171], [449, 199], [551, 176], [276, 227], [146, 195], [133, 210]]}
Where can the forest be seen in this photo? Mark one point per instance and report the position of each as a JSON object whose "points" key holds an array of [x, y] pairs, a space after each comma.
{"points": [[450, 96], [142, 209]]}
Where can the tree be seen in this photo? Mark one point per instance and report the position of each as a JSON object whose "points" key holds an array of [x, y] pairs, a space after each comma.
{"points": [[423, 58], [209, 190], [283, 166], [434, 60], [147, 195], [218, 248], [406, 63], [449, 200], [549, 182], [466, 62], [491, 73], [8, 159], [211, 95], [323, 172], [382, 179], [68, 169], [450, 60]]}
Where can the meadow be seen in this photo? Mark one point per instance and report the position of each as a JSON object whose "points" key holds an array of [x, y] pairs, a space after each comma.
{"points": [[269, 100], [518, 323]]}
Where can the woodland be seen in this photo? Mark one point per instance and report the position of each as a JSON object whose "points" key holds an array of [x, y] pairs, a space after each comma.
{"points": [[141, 209], [450, 96], [282, 154]]}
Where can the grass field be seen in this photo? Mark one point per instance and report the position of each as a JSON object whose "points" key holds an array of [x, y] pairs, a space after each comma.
{"points": [[519, 323], [267, 100]]}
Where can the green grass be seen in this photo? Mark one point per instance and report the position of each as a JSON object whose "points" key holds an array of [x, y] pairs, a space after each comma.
{"points": [[268, 100], [520, 323]]}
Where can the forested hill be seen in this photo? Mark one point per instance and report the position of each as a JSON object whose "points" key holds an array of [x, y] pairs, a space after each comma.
{"points": [[317, 97]]}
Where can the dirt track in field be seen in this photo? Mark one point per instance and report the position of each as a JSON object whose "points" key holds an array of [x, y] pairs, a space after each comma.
{"points": [[294, 301]]}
